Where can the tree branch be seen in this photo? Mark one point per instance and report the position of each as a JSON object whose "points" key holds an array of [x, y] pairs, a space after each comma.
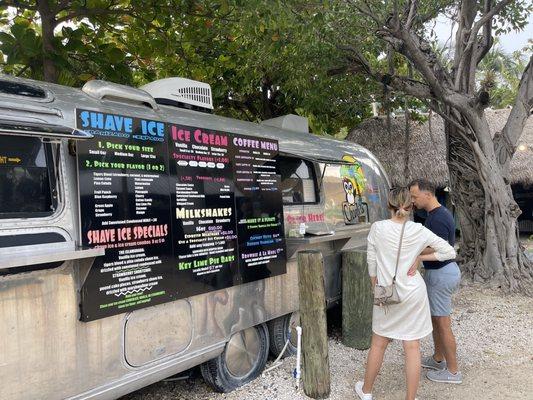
{"points": [[417, 51], [94, 12], [521, 111], [487, 40], [358, 63], [413, 6], [367, 13], [467, 15], [420, 60], [434, 105], [62, 5], [426, 62], [486, 18]]}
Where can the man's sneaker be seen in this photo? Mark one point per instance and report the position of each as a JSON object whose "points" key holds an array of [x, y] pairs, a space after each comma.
{"points": [[429, 362], [445, 376], [359, 391]]}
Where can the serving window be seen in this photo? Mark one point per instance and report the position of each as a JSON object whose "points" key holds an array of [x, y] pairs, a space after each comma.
{"points": [[298, 181], [27, 179]]}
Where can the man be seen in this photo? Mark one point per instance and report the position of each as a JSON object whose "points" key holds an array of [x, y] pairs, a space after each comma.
{"points": [[442, 280]]}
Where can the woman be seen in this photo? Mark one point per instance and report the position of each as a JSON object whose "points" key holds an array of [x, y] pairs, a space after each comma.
{"points": [[409, 320]]}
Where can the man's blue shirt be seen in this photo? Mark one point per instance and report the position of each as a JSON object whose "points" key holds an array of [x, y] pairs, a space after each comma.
{"points": [[440, 221]]}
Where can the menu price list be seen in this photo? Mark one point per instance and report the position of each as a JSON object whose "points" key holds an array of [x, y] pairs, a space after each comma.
{"points": [[124, 207], [180, 210], [259, 208], [205, 238]]}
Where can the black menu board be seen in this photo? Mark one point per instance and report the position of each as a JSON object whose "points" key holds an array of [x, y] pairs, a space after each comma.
{"points": [[124, 207], [259, 211], [203, 209], [181, 211]]}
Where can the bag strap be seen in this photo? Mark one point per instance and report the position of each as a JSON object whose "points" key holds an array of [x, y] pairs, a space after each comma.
{"points": [[399, 249]]}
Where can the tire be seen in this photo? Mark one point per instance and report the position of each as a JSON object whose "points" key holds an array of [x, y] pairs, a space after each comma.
{"points": [[243, 360], [279, 330]]}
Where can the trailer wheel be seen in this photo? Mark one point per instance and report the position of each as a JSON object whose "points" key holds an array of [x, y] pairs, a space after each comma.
{"points": [[242, 360], [279, 330]]}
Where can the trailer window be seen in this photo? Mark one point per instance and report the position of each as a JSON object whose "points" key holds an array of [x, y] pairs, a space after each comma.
{"points": [[26, 178], [298, 183]]}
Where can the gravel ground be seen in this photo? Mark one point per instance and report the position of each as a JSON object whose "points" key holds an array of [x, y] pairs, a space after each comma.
{"points": [[495, 349]]}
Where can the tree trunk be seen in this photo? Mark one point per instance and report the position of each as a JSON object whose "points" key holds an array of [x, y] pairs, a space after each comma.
{"points": [[488, 213], [479, 165], [48, 24], [468, 197]]}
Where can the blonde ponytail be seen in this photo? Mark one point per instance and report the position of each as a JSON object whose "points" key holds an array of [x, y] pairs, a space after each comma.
{"points": [[400, 202], [402, 212]]}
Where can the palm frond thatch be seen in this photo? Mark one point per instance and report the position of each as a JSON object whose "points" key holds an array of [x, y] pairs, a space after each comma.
{"points": [[427, 155]]}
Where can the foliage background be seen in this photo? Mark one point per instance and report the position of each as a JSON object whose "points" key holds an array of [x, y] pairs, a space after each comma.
{"points": [[262, 58]]}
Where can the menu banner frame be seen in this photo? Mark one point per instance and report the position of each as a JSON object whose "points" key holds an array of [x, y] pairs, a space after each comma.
{"points": [[213, 222]]}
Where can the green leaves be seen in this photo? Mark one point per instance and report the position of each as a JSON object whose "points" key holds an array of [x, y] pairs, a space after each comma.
{"points": [[514, 17], [19, 45], [114, 55], [6, 38], [262, 58], [500, 73]]}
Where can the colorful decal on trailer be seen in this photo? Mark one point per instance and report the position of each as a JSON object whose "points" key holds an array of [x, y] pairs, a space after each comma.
{"points": [[355, 208]]}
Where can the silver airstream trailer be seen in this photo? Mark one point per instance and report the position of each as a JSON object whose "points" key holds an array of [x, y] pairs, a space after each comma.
{"points": [[141, 235]]}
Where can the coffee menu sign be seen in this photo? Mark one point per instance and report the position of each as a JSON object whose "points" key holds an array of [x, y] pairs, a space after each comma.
{"points": [[259, 210], [179, 209]]}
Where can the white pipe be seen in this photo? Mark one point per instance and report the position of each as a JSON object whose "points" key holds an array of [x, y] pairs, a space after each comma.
{"points": [[375, 109], [297, 372], [276, 362]]}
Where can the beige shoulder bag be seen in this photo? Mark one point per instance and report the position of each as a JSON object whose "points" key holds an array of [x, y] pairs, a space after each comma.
{"points": [[387, 295]]}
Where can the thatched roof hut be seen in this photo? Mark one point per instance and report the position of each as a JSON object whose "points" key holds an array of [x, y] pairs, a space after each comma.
{"points": [[427, 156]]}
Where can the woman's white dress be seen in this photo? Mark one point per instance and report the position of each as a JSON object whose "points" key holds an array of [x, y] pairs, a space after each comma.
{"points": [[410, 319]]}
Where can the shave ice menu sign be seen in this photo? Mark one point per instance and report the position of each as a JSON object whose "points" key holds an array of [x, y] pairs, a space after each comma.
{"points": [[180, 211]]}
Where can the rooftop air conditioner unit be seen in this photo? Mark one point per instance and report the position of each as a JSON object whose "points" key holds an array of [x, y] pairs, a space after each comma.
{"points": [[181, 92]]}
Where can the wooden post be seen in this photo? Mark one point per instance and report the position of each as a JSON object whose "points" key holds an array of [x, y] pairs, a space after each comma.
{"points": [[357, 301], [315, 360]]}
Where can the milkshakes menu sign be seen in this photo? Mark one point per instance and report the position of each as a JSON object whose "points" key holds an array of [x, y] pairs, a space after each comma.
{"points": [[180, 210], [203, 209]]}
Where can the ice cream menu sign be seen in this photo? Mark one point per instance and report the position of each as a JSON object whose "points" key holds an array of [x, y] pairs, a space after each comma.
{"points": [[203, 206], [180, 210]]}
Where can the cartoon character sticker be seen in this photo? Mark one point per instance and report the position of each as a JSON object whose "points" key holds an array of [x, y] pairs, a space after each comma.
{"points": [[355, 209], [349, 190]]}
